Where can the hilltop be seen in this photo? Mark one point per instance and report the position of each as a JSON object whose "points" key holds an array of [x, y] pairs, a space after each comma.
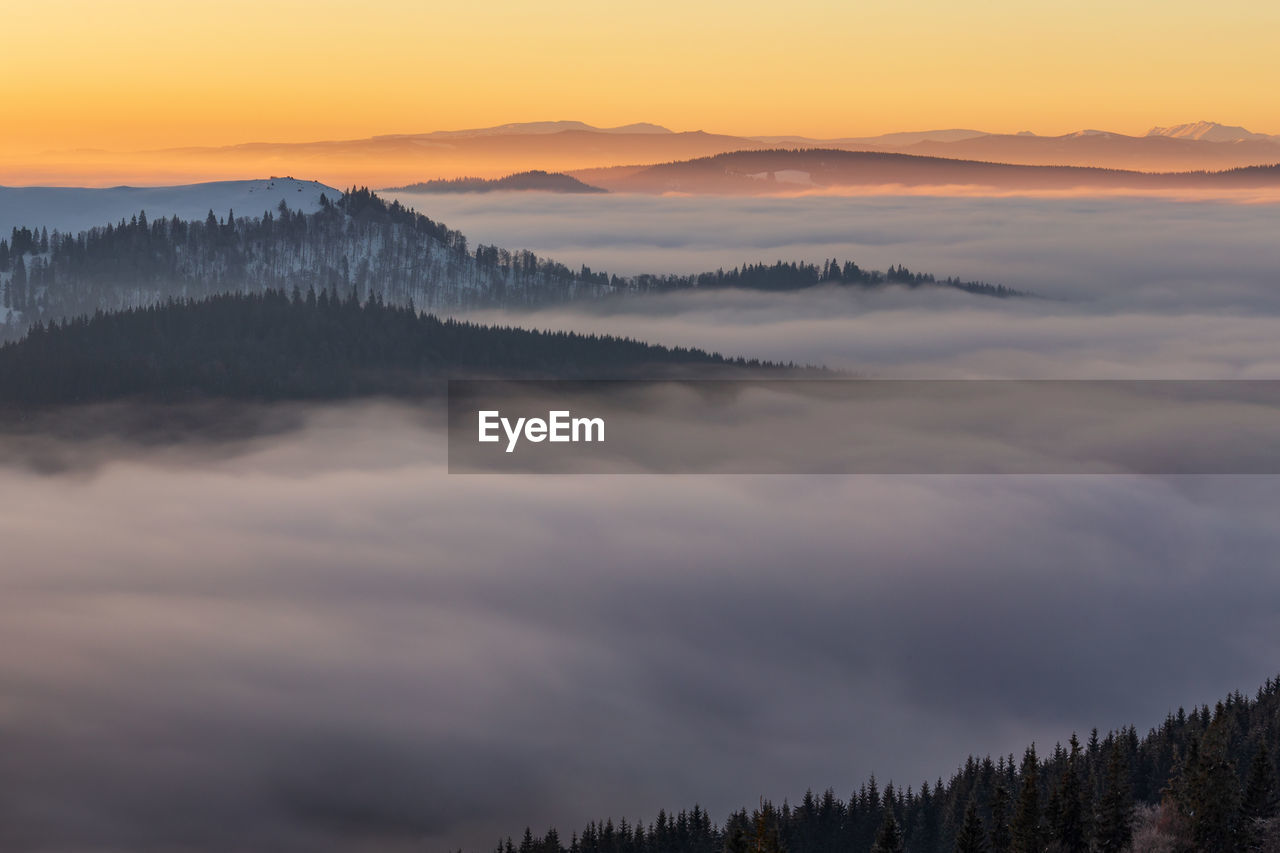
{"points": [[535, 180]]}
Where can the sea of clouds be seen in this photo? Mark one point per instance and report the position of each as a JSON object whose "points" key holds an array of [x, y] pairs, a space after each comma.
{"points": [[318, 639]]}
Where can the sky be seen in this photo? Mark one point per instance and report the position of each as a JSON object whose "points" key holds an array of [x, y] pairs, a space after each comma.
{"points": [[151, 74]]}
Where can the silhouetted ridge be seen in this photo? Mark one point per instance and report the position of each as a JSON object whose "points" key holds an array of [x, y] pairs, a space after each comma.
{"points": [[272, 346]]}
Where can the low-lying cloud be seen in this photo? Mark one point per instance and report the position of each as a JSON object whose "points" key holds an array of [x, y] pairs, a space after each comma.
{"points": [[322, 641], [1108, 253]]}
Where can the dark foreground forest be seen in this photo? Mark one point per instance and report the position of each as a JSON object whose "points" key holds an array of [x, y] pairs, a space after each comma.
{"points": [[1204, 780], [273, 346]]}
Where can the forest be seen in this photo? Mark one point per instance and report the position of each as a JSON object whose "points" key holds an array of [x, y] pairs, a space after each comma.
{"points": [[1203, 781], [273, 346], [357, 242]]}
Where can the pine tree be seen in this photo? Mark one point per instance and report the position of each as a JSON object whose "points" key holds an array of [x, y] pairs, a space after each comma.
{"points": [[1026, 833], [1260, 797], [18, 285], [1000, 838], [889, 836], [972, 837], [1210, 793], [1071, 824], [1115, 810]]}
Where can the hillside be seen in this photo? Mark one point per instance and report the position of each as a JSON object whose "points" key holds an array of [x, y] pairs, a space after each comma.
{"points": [[535, 180], [358, 242], [274, 346], [793, 170], [1204, 780]]}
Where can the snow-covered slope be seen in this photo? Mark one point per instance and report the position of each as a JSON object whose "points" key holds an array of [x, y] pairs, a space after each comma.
{"points": [[1207, 131], [77, 208]]}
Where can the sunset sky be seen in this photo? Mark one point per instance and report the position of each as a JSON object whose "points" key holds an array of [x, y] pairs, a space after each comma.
{"points": [[150, 74]]}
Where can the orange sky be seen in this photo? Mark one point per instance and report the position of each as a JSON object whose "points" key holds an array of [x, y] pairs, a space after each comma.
{"points": [[149, 74]]}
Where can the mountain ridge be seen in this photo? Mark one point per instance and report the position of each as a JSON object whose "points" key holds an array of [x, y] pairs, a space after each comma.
{"points": [[563, 146]]}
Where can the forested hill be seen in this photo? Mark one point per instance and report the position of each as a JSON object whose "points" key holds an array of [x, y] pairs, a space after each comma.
{"points": [[535, 180], [1203, 781], [358, 241], [273, 346]]}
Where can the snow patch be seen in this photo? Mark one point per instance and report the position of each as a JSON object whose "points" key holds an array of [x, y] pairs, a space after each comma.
{"points": [[1209, 131]]}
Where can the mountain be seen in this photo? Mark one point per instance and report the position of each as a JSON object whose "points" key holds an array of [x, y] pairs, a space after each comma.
{"points": [[884, 140], [73, 209], [535, 180], [528, 128], [1107, 150], [564, 146], [1208, 131], [393, 160], [801, 170], [270, 346], [357, 243]]}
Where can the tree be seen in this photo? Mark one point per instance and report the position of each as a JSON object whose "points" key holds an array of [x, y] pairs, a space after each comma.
{"points": [[1026, 822], [1072, 815], [18, 286], [1001, 840], [1115, 810], [1210, 792], [1260, 802], [972, 837], [889, 836]]}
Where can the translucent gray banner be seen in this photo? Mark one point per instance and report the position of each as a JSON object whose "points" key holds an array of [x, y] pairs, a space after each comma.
{"points": [[812, 426]]}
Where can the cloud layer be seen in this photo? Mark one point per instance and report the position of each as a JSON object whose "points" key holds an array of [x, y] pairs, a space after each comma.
{"points": [[318, 639], [322, 641]]}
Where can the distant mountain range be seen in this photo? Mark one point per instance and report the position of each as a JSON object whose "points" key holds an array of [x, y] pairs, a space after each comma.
{"points": [[800, 170], [568, 146], [529, 128], [1209, 131]]}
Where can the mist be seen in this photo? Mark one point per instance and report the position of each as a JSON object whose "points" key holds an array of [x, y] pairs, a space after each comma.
{"points": [[1109, 254], [318, 639]]}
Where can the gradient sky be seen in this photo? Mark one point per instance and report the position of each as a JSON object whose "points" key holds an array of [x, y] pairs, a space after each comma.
{"points": [[147, 74]]}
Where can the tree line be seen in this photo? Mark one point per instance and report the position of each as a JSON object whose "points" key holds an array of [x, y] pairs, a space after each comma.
{"points": [[1203, 781]]}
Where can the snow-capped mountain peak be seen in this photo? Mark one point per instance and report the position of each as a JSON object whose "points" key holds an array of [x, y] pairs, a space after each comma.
{"points": [[1208, 131]]}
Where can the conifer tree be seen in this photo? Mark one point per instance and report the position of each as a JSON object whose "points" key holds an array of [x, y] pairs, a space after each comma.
{"points": [[1026, 830], [1260, 797], [889, 836], [1115, 810], [1071, 823], [1210, 793], [972, 837], [1000, 838]]}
